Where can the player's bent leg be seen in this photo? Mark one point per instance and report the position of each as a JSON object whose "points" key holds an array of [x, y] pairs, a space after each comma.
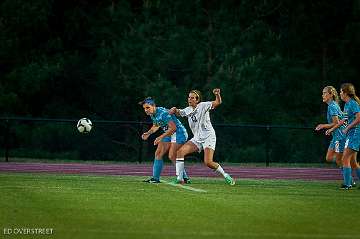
{"points": [[338, 157], [331, 156], [347, 155], [355, 167], [208, 160]]}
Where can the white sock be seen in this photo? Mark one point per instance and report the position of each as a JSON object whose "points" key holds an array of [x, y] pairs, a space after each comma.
{"points": [[180, 169], [220, 171]]}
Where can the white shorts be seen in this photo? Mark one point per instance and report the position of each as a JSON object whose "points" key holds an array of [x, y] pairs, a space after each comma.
{"points": [[209, 142]]}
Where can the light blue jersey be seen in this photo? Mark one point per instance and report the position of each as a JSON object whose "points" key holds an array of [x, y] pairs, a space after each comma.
{"points": [[162, 118], [332, 111], [351, 108], [337, 142]]}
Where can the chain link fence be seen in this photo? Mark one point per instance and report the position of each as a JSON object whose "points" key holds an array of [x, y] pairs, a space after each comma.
{"points": [[40, 138]]}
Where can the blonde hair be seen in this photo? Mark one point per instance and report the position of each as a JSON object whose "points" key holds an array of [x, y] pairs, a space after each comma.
{"points": [[198, 94], [332, 91], [349, 89]]}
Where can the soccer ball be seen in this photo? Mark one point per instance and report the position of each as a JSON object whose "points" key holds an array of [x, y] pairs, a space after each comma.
{"points": [[84, 125]]}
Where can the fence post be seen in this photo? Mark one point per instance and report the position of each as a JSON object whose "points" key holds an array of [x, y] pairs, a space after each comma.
{"points": [[7, 135], [140, 130], [267, 146]]}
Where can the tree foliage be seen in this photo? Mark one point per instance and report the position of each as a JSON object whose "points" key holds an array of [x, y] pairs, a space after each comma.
{"points": [[99, 58]]}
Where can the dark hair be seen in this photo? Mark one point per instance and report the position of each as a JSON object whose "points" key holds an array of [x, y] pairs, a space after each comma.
{"points": [[349, 89], [147, 100]]}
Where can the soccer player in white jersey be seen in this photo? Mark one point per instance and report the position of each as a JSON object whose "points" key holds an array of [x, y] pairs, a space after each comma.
{"points": [[204, 134]]}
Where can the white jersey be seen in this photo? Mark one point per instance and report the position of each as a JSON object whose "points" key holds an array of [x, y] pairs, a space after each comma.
{"points": [[199, 120]]}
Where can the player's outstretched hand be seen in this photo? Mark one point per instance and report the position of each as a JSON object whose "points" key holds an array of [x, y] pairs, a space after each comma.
{"points": [[145, 136], [319, 127], [172, 110], [216, 91]]}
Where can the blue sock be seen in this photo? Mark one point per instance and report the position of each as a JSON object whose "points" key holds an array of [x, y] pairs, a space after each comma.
{"points": [[157, 168], [347, 175], [185, 174], [358, 173]]}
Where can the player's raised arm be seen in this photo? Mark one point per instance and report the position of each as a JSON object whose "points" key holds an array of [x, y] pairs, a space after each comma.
{"points": [[218, 99]]}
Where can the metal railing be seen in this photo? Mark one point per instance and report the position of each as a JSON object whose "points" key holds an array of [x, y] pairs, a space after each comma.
{"points": [[233, 140]]}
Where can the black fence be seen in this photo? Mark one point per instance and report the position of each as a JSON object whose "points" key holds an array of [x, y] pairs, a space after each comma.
{"points": [[40, 138]]}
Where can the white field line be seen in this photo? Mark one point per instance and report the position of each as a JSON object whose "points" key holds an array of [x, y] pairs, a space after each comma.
{"points": [[184, 187], [260, 235]]}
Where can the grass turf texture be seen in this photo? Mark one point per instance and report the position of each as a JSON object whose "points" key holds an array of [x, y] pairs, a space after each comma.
{"points": [[78, 206]]}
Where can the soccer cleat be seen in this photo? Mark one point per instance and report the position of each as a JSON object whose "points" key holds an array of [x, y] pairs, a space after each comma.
{"points": [[345, 187], [187, 181], [151, 180], [177, 181], [353, 183], [229, 180]]}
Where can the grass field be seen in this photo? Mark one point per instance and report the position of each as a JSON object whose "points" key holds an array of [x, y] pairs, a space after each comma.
{"points": [[77, 206]]}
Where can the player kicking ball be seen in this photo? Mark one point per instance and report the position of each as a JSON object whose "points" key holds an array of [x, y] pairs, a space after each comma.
{"points": [[204, 134]]}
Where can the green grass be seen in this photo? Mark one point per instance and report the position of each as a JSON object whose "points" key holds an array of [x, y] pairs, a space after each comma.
{"points": [[124, 207]]}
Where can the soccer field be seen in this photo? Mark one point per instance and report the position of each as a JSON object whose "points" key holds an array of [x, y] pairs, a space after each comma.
{"points": [[78, 206]]}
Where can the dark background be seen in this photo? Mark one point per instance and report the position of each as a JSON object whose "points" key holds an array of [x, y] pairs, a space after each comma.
{"points": [[271, 59]]}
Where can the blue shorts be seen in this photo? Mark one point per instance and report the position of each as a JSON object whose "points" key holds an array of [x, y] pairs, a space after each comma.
{"points": [[353, 139], [337, 145], [179, 138]]}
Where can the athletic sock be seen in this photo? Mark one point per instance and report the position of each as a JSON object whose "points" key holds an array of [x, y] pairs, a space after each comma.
{"points": [[220, 170], [185, 174], [347, 175], [358, 173], [180, 169], [157, 168]]}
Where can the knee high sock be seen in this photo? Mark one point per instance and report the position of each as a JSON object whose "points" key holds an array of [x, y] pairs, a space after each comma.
{"points": [[347, 176], [157, 168], [220, 170], [179, 169]]}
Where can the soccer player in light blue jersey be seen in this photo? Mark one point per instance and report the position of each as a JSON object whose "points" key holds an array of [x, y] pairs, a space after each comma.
{"points": [[170, 141], [334, 115], [352, 131]]}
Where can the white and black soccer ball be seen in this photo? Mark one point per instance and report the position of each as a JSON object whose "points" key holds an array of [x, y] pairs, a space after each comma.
{"points": [[84, 125]]}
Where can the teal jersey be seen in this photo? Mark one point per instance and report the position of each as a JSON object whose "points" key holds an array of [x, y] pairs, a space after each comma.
{"points": [[351, 108], [334, 110], [162, 118]]}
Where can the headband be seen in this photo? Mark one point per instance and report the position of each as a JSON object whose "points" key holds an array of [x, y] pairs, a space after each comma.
{"points": [[149, 101], [196, 94]]}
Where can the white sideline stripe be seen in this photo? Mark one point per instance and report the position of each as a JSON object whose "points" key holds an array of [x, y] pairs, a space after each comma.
{"points": [[184, 187], [217, 234]]}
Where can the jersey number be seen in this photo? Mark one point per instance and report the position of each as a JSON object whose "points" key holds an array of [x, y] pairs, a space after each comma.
{"points": [[193, 118]]}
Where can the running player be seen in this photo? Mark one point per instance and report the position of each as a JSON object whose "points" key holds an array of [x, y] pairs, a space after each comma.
{"points": [[352, 131], [204, 134], [334, 115], [170, 141]]}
